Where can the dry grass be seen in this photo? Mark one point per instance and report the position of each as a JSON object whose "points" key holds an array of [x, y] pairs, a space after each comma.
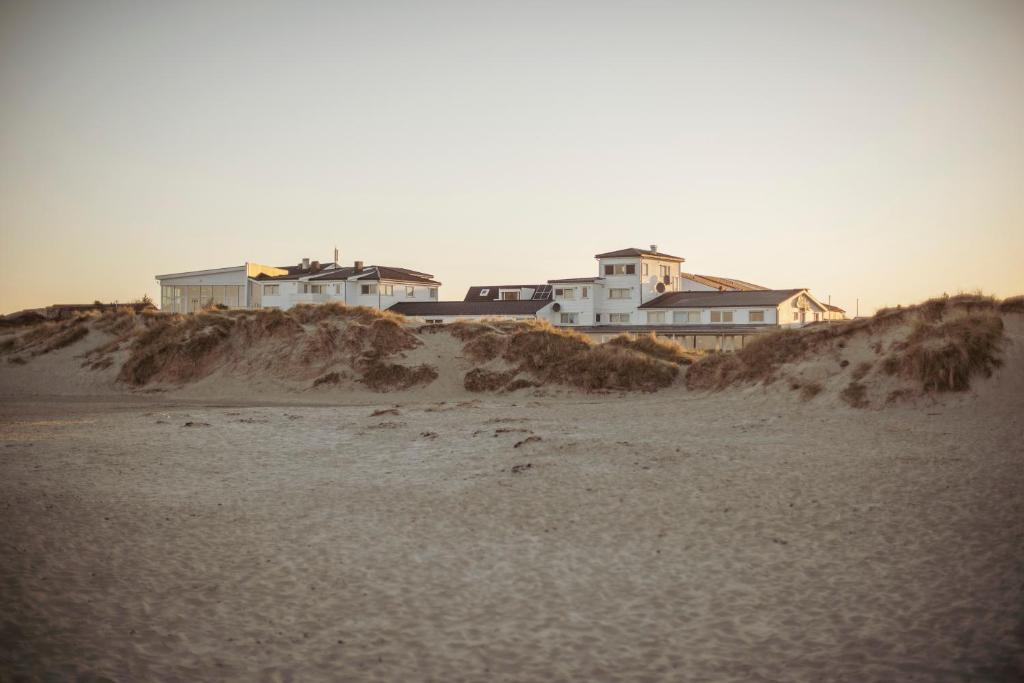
{"points": [[329, 378], [944, 355], [551, 355], [656, 347], [382, 376], [1014, 304], [486, 346], [855, 394], [861, 371], [950, 340], [479, 379], [758, 361]]}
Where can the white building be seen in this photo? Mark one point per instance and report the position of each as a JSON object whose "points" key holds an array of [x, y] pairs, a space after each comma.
{"points": [[638, 291], [257, 286]]}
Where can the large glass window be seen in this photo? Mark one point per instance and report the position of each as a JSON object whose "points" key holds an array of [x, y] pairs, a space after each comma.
{"points": [[721, 316], [654, 317], [686, 316]]}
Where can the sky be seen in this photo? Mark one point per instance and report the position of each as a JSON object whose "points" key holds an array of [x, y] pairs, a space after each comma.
{"points": [[872, 151]]}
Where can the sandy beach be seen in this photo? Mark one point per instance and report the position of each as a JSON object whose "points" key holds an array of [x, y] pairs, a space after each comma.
{"points": [[672, 536]]}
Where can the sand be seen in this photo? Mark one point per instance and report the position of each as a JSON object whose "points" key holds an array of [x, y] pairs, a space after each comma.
{"points": [[241, 528], [736, 537]]}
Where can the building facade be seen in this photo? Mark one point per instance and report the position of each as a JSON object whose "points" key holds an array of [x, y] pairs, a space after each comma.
{"points": [[254, 286]]}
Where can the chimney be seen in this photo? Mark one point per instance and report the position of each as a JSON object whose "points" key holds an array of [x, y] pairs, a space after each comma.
{"points": [[359, 266], [305, 264], [336, 255], [315, 266], [654, 248]]}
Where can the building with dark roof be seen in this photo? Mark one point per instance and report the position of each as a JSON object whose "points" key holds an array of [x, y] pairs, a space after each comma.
{"points": [[309, 282]]}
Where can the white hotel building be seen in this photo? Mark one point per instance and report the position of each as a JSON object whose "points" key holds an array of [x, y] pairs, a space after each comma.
{"points": [[634, 291]]}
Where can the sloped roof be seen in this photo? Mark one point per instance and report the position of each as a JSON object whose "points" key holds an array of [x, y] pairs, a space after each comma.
{"points": [[367, 273], [575, 279], [761, 297], [834, 308], [723, 282], [477, 308], [475, 293], [633, 251]]}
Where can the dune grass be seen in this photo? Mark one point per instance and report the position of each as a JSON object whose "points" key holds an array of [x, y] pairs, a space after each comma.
{"points": [[949, 341]]}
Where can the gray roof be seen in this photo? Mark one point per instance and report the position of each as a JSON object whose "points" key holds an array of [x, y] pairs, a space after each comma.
{"points": [[367, 273], [761, 297], [476, 308], [633, 251], [722, 282], [475, 293], [575, 279]]}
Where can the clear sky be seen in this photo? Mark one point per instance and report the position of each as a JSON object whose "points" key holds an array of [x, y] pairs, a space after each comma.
{"points": [[870, 149]]}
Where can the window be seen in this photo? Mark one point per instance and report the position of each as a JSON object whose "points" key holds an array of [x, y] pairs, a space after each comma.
{"points": [[568, 318], [655, 317], [388, 290], [623, 293], [665, 271], [337, 289], [433, 292], [618, 317], [620, 269], [316, 289], [686, 316], [796, 315], [509, 296], [410, 290], [721, 316], [433, 321], [756, 316], [644, 266], [566, 293], [485, 291], [367, 289], [271, 290], [586, 293], [597, 317]]}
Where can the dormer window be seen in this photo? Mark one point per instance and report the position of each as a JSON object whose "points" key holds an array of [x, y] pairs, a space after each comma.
{"points": [[510, 295]]}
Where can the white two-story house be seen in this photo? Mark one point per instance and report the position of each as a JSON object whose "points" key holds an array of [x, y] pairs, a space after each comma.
{"points": [[625, 280], [253, 285]]}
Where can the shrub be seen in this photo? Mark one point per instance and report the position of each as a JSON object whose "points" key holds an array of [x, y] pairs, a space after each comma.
{"points": [[1014, 304], [479, 379], [656, 347], [486, 346], [329, 378], [943, 356], [382, 376]]}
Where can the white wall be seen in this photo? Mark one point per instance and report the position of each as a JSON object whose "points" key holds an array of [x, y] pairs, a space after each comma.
{"points": [[583, 308], [740, 316]]}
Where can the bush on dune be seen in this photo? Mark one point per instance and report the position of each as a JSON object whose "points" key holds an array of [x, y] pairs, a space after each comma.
{"points": [[656, 347], [950, 340], [561, 356], [944, 355]]}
